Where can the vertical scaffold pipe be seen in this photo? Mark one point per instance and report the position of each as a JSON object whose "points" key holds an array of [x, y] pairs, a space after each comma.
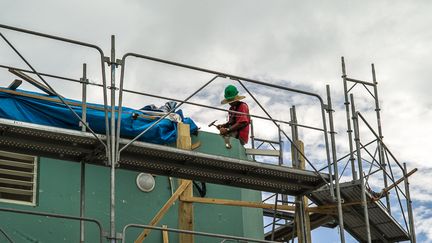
{"points": [[252, 137], [113, 142], [409, 206], [349, 129], [336, 169], [83, 128], [284, 197], [379, 142], [294, 134], [360, 168], [84, 98], [300, 215], [280, 146]]}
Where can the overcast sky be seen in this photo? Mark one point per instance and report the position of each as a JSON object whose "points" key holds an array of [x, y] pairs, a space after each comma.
{"points": [[291, 43]]}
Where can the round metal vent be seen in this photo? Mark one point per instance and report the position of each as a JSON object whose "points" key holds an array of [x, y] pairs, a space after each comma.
{"points": [[145, 182]]}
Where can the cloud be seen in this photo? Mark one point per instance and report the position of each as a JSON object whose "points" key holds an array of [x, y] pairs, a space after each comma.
{"points": [[293, 44]]}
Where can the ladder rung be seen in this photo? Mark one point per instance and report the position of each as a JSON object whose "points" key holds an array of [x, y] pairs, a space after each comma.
{"points": [[263, 152]]}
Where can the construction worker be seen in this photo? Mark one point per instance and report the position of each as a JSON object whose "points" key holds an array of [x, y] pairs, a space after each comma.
{"points": [[238, 124]]}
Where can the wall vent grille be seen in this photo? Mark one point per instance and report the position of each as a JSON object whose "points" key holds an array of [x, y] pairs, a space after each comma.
{"points": [[18, 177]]}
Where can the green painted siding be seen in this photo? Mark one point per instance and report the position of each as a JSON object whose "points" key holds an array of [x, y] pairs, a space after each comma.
{"points": [[59, 191]]}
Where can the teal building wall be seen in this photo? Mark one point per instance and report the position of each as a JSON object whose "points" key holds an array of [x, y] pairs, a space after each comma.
{"points": [[59, 192]]}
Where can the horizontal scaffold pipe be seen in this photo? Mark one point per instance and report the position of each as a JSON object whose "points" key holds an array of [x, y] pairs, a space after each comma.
{"points": [[75, 42], [221, 74], [234, 77], [227, 202], [160, 97], [226, 237], [54, 215]]}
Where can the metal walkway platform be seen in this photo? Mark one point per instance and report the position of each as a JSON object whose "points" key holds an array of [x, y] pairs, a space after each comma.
{"points": [[284, 232], [383, 227], [78, 146]]}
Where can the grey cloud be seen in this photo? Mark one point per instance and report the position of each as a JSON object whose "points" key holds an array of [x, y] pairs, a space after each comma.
{"points": [[295, 44]]}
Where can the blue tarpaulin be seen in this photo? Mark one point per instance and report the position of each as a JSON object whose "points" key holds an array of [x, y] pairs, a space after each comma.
{"points": [[48, 110]]}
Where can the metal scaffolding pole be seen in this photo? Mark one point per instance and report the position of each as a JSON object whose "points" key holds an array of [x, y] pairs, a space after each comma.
{"points": [[303, 229], [294, 134], [49, 86], [82, 163], [409, 206], [336, 169], [252, 138], [380, 147], [360, 166], [234, 77], [112, 142], [292, 140], [284, 197], [348, 117]]}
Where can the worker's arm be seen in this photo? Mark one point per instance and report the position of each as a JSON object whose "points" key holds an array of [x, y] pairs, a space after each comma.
{"points": [[237, 126], [225, 125]]}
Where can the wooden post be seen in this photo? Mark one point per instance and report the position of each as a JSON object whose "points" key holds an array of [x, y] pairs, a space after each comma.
{"points": [[165, 238], [185, 213], [163, 210], [301, 164]]}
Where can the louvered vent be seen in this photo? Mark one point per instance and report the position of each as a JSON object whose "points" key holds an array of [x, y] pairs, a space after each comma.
{"points": [[18, 175]]}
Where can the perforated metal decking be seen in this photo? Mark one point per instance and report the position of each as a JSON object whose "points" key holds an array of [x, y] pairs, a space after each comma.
{"points": [[383, 227], [285, 233], [74, 145]]}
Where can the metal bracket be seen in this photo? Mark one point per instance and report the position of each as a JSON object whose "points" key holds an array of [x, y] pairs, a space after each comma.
{"points": [[86, 81], [327, 108], [112, 87], [118, 62], [81, 124], [106, 234]]}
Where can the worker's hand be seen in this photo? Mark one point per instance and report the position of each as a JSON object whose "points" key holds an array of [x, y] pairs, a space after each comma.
{"points": [[223, 131], [219, 126]]}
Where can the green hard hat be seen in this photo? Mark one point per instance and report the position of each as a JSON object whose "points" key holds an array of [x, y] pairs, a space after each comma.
{"points": [[230, 92], [231, 95]]}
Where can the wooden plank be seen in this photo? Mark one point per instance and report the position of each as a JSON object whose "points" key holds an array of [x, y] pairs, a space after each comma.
{"points": [[162, 211], [56, 100], [184, 140], [302, 165], [228, 202], [263, 152], [32, 81], [185, 211], [196, 145], [165, 238], [186, 215]]}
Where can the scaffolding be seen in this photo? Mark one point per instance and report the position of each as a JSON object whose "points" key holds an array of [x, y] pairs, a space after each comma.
{"points": [[347, 205]]}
